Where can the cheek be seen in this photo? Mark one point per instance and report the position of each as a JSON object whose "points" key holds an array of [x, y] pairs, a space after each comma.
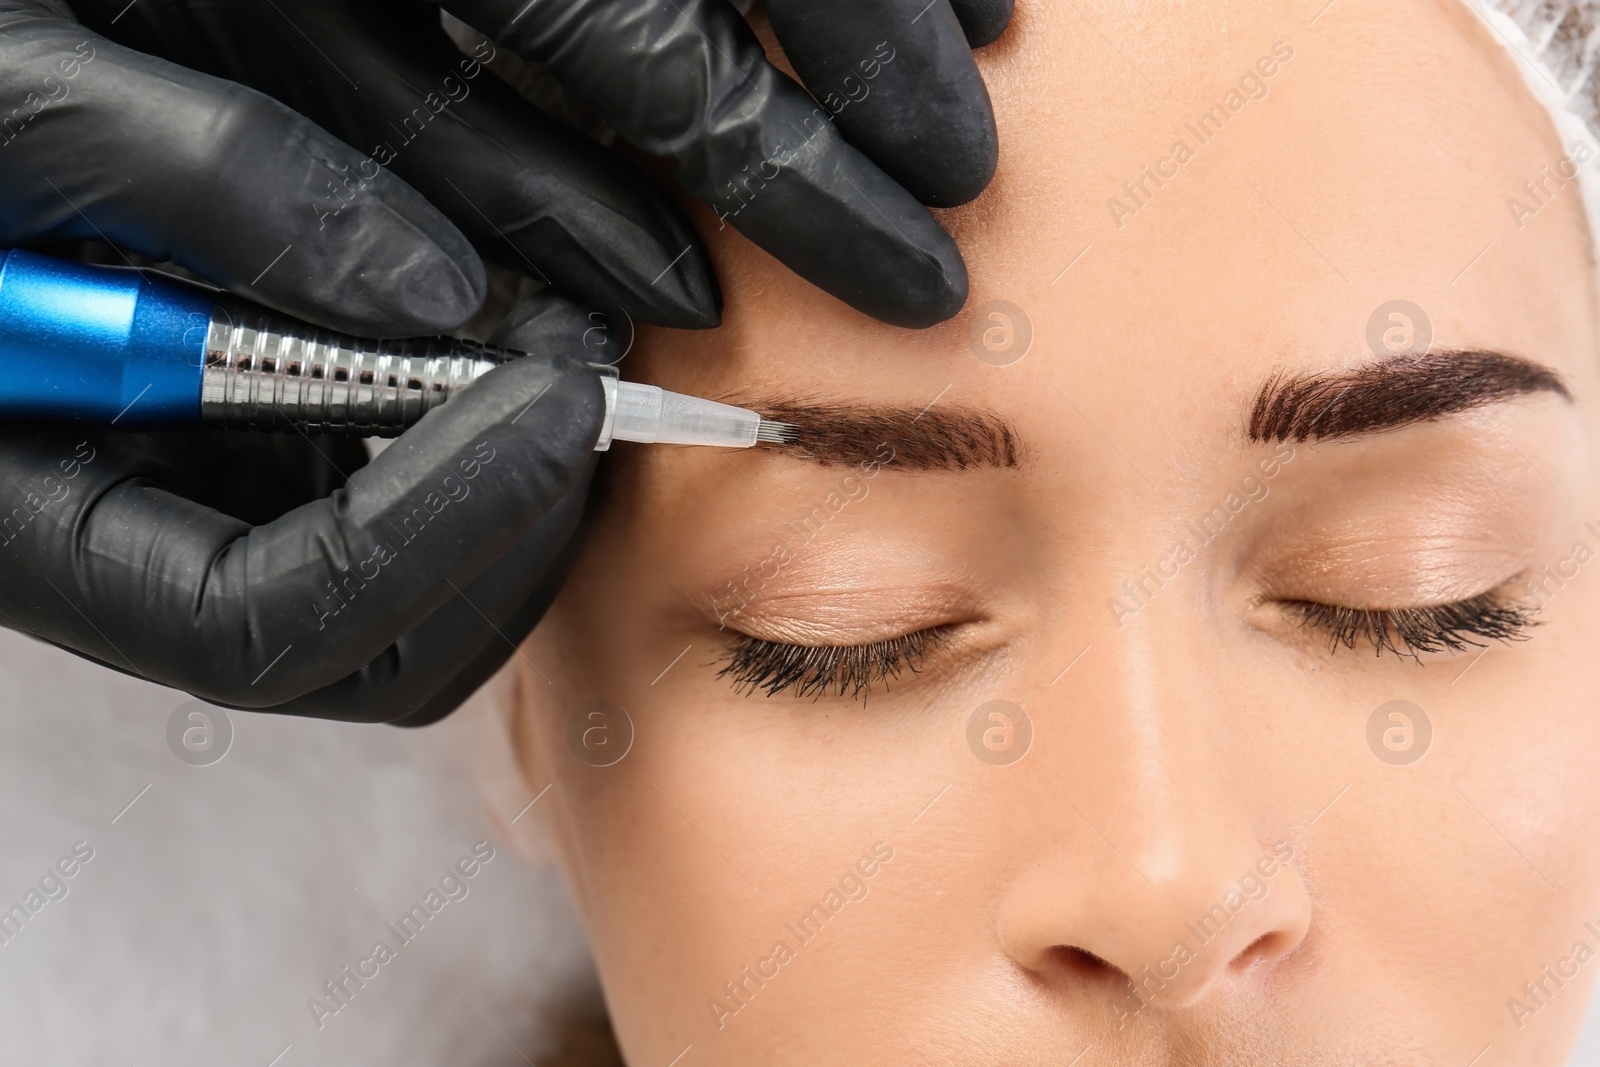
{"points": [[739, 820], [1423, 858]]}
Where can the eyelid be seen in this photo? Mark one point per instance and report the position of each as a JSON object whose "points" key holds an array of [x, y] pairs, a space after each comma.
{"points": [[1427, 583], [1398, 551], [848, 632], [842, 614]]}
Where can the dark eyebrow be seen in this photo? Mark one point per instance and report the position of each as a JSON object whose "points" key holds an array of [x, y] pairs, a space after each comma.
{"points": [[934, 439], [1393, 393]]}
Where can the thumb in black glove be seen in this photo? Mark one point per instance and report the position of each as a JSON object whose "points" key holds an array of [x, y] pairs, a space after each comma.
{"points": [[390, 598]]}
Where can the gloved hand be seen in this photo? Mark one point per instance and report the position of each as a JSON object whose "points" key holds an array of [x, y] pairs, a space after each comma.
{"points": [[896, 75], [246, 569], [199, 559], [189, 558], [895, 83], [102, 142]]}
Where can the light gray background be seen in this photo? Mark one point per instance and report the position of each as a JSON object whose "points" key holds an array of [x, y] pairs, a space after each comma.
{"points": [[226, 895]]}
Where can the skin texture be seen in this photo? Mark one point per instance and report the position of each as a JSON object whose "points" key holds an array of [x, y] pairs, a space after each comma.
{"points": [[1192, 738]]}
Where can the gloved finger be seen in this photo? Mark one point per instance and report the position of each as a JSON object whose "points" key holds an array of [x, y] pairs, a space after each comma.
{"points": [[983, 21], [528, 191], [127, 572], [257, 477], [690, 81], [427, 673], [114, 145], [899, 78]]}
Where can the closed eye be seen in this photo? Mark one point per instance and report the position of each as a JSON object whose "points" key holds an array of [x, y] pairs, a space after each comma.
{"points": [[822, 670], [1408, 632]]}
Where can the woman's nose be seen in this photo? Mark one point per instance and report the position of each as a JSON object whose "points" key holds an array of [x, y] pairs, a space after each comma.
{"points": [[1165, 868], [1215, 911]]}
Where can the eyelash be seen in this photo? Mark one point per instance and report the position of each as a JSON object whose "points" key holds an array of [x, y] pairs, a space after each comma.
{"points": [[1411, 631], [854, 670], [817, 670]]}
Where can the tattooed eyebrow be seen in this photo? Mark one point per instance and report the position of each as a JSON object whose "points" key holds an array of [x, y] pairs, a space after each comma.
{"points": [[1392, 393], [940, 439]]}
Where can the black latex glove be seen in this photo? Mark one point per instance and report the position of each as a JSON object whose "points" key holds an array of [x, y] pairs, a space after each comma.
{"points": [[897, 75], [99, 141], [134, 560], [244, 569], [198, 559], [811, 182]]}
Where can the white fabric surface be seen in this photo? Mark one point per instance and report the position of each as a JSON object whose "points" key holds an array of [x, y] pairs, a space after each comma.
{"points": [[218, 904]]}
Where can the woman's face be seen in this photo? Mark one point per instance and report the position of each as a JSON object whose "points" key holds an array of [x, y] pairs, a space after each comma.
{"points": [[1136, 788]]}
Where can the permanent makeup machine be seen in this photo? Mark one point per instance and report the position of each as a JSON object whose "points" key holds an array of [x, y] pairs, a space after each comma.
{"points": [[142, 350]]}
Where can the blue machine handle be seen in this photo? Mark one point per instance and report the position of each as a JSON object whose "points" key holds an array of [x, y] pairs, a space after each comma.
{"points": [[99, 344]]}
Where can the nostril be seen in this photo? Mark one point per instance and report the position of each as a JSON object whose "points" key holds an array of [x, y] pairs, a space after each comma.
{"points": [[1266, 947], [1085, 965]]}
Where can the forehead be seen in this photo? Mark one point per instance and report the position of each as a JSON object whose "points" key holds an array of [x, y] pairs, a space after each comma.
{"points": [[1191, 197]]}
